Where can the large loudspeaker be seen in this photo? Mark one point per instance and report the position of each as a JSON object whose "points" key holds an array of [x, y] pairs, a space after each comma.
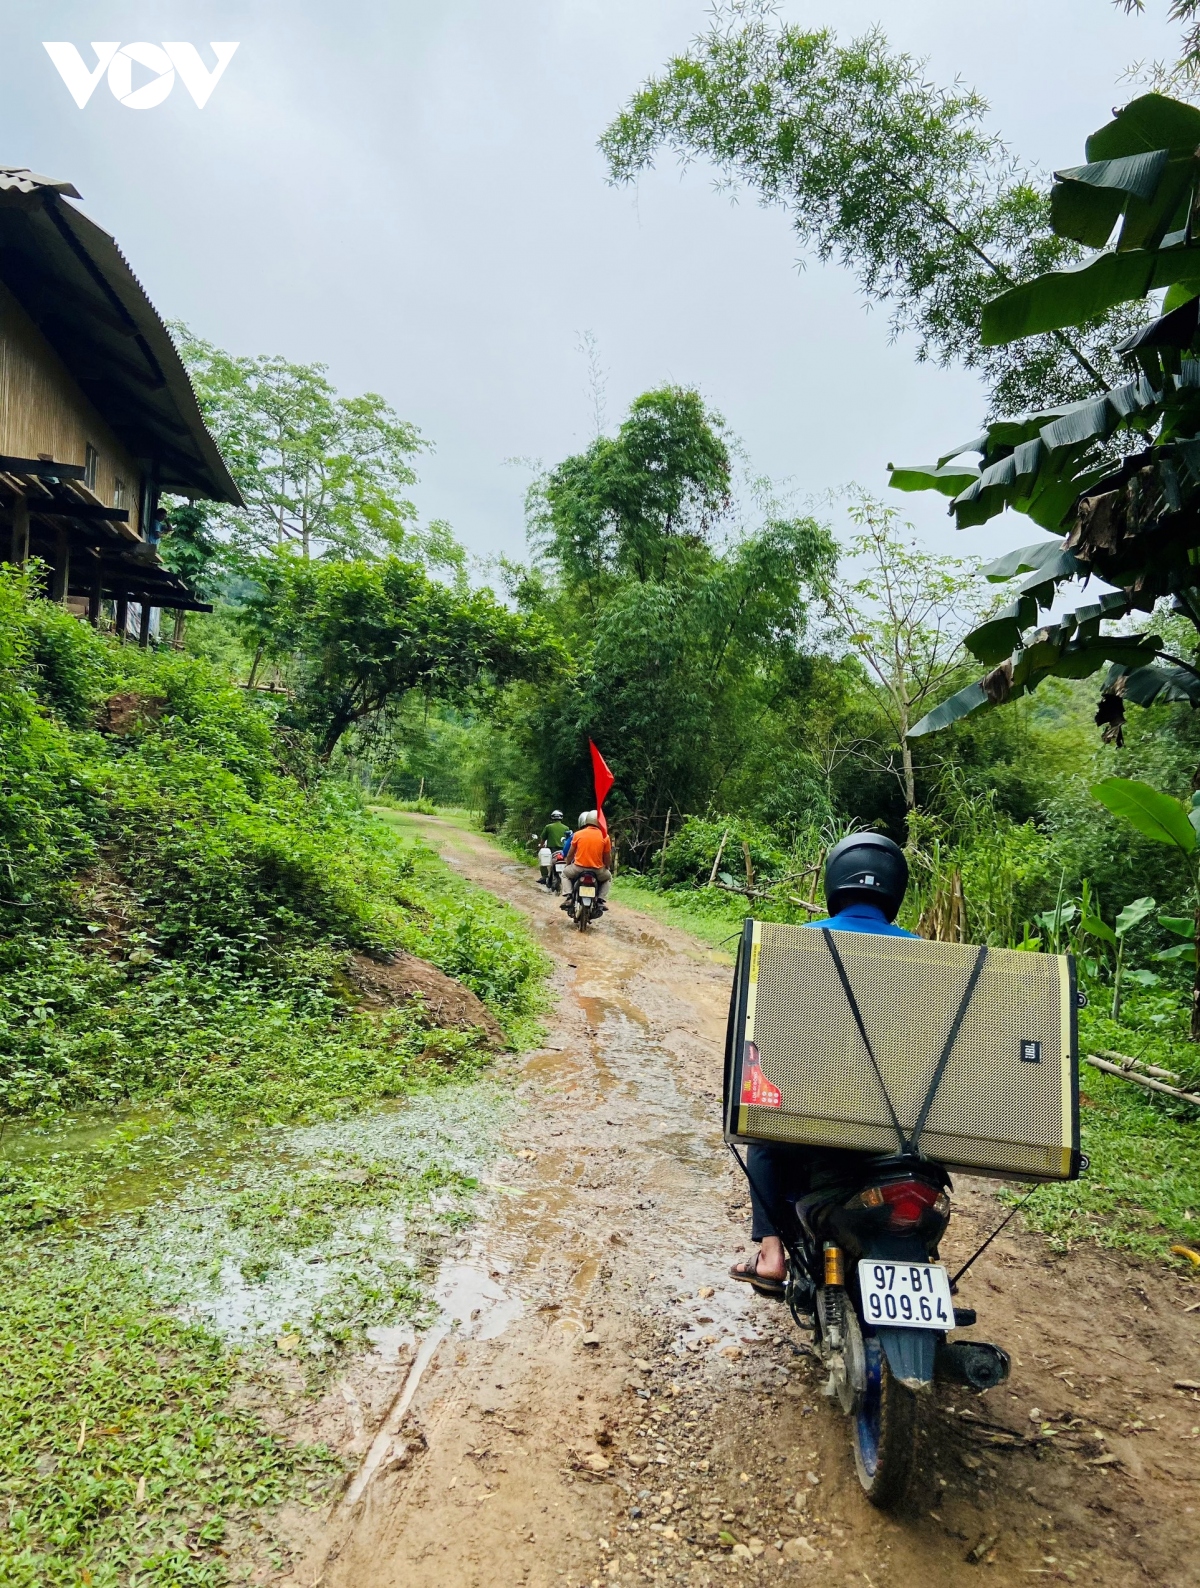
{"points": [[852, 1040]]}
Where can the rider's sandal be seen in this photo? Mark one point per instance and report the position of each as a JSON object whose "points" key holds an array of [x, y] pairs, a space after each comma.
{"points": [[749, 1275]]}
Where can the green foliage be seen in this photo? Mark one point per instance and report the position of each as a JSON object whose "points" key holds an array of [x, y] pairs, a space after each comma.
{"points": [[903, 619], [357, 636], [176, 905], [880, 169], [1142, 1189], [1156, 815], [634, 504], [318, 472], [686, 630], [104, 1392], [691, 853], [1121, 517]]}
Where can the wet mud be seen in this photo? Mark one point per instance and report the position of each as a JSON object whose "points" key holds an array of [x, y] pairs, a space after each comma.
{"points": [[599, 1402]]}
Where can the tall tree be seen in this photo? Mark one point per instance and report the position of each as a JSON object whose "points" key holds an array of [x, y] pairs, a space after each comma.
{"points": [[904, 617], [354, 638], [882, 170], [637, 502], [320, 473], [687, 626]]}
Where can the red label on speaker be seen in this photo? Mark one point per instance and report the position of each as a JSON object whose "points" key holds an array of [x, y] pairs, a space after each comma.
{"points": [[756, 1089]]}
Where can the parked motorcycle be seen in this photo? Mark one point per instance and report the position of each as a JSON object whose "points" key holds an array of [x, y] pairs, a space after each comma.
{"points": [[864, 1276]]}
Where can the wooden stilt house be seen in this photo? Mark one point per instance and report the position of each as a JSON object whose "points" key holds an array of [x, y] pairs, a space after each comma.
{"points": [[97, 415]]}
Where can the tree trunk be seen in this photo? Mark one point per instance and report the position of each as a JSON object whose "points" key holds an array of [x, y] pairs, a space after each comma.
{"points": [[910, 787], [1195, 1031]]}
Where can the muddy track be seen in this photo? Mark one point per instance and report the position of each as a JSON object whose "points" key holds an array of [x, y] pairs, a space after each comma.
{"points": [[603, 1403]]}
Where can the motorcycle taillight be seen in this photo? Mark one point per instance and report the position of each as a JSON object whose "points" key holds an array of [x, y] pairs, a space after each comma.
{"points": [[908, 1201]]}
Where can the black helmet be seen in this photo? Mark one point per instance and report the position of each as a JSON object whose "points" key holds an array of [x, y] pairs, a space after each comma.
{"points": [[866, 868]]}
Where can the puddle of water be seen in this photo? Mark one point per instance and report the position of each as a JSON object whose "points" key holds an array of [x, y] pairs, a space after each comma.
{"points": [[393, 1341], [473, 1302], [232, 1251]]}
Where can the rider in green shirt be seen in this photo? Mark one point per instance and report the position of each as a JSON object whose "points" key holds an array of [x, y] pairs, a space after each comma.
{"points": [[557, 833]]}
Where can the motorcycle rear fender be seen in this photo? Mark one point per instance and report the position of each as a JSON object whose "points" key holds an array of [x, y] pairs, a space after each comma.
{"points": [[910, 1352]]}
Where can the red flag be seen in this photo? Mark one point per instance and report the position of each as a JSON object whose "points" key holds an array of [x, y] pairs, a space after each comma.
{"points": [[604, 781]]}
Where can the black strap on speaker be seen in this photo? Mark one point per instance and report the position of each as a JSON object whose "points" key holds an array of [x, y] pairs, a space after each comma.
{"points": [[862, 1031], [945, 1058]]}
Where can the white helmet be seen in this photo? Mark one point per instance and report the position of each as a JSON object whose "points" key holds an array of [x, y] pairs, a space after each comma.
{"points": [[589, 819]]}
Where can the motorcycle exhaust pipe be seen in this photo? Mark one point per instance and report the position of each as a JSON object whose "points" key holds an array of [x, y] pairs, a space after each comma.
{"points": [[970, 1362]]}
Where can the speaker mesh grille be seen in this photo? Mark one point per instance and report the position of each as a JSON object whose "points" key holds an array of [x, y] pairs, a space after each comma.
{"points": [[993, 1110]]}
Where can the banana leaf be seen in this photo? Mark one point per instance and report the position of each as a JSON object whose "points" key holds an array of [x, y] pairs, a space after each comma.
{"points": [[1176, 329], [1161, 681], [960, 705], [1134, 913], [1000, 636], [1026, 559], [1152, 121], [1143, 191], [1068, 297], [949, 479], [1058, 652], [1151, 813]]}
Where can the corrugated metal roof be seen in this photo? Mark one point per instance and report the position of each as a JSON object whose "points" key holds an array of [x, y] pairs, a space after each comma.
{"points": [[21, 179], [76, 285]]}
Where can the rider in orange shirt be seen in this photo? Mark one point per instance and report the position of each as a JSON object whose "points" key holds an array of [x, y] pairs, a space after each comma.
{"points": [[591, 850]]}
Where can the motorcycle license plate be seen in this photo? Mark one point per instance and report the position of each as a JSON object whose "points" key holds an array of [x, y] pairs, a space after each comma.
{"points": [[587, 893], [560, 869], [905, 1295]]}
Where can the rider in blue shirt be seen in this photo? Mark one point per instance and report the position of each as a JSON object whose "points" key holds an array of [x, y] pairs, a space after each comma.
{"points": [[865, 879]]}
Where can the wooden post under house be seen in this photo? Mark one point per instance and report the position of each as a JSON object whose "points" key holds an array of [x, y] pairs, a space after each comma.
{"points": [[96, 593]]}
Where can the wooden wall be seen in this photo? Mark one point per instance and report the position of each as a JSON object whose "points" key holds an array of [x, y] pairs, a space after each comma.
{"points": [[43, 410]]}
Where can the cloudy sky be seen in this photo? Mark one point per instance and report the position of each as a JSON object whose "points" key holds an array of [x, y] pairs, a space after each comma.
{"points": [[410, 192]]}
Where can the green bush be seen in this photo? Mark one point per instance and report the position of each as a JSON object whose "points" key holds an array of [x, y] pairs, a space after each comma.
{"points": [[690, 854], [175, 904]]}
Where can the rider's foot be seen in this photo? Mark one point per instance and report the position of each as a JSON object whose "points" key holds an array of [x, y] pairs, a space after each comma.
{"points": [[771, 1264], [760, 1269]]}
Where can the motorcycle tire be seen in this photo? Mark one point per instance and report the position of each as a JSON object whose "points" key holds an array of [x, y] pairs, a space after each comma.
{"points": [[583, 914], [886, 1424]]}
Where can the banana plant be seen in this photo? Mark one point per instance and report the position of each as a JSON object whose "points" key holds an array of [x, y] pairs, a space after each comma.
{"points": [[1130, 917], [1169, 821], [1131, 520], [1055, 924]]}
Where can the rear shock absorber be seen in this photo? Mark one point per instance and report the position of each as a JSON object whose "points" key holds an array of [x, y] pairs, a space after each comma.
{"points": [[835, 1296]]}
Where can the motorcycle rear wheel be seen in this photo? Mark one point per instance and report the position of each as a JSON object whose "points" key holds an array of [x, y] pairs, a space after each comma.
{"points": [[886, 1424]]}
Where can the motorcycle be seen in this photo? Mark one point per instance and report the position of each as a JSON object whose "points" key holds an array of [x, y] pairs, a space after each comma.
{"points": [[585, 900], [557, 866], [863, 1276]]}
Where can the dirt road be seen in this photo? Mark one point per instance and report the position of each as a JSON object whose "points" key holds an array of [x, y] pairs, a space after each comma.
{"points": [[609, 1404]]}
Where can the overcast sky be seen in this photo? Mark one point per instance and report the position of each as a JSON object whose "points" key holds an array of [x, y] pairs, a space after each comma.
{"points": [[411, 193]]}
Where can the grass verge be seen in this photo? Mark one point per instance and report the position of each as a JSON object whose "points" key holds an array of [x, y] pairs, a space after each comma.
{"points": [[123, 1456], [255, 1181]]}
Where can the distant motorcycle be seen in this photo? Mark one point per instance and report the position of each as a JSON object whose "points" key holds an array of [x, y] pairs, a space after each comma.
{"points": [[557, 866], [865, 1278]]}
